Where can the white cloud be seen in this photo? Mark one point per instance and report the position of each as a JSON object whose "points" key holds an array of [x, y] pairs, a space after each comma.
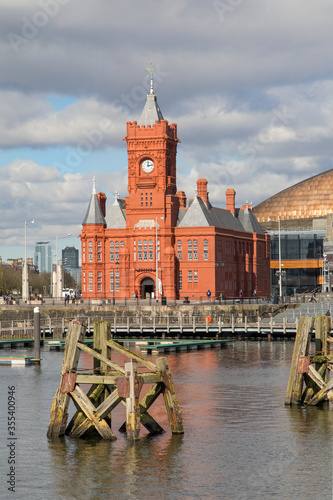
{"points": [[251, 91]]}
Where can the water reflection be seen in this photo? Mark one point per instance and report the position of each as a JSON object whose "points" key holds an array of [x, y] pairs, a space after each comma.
{"points": [[112, 470], [240, 440]]}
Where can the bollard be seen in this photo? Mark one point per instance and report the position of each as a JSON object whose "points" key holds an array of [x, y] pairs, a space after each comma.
{"points": [[36, 334]]}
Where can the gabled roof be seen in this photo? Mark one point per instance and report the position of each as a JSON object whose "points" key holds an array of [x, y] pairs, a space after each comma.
{"points": [[196, 215], [115, 218], [94, 213]]}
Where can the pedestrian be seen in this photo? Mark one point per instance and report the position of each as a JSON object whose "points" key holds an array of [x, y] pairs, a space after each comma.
{"points": [[240, 296], [313, 298]]}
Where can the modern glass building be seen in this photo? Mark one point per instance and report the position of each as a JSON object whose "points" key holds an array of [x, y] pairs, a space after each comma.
{"points": [[70, 258], [43, 256], [301, 260]]}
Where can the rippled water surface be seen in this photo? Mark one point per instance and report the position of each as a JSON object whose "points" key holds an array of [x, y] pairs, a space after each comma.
{"points": [[240, 441]]}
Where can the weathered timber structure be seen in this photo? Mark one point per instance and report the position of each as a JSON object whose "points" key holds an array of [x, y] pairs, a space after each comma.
{"points": [[309, 374], [110, 384]]}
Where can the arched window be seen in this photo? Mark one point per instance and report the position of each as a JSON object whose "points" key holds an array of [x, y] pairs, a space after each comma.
{"points": [[99, 251], [145, 250], [205, 249], [139, 249], [189, 249], [179, 249], [151, 250], [195, 250], [90, 245], [111, 251]]}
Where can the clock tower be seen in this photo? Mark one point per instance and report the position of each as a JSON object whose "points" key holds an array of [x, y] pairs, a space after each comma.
{"points": [[152, 149]]}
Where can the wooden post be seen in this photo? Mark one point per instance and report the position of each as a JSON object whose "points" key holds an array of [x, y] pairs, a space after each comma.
{"points": [[59, 410], [301, 346], [132, 402], [170, 399]]}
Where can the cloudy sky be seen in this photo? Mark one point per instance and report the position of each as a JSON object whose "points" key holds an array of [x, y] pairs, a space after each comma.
{"points": [[249, 83]]}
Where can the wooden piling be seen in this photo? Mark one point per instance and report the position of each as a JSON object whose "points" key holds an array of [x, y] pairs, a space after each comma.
{"points": [[313, 370], [170, 399], [59, 411], [110, 385], [294, 388], [132, 401]]}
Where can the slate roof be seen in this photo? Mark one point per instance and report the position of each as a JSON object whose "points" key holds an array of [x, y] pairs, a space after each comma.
{"points": [[198, 215], [151, 112], [115, 218], [248, 220], [94, 213]]}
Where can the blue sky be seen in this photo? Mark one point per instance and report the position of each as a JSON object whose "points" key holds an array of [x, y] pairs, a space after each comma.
{"points": [[248, 83]]}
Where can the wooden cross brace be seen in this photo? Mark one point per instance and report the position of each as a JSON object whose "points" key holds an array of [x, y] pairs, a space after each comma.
{"points": [[109, 389]]}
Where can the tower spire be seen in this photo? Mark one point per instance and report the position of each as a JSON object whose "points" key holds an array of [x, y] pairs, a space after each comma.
{"points": [[151, 111], [94, 213]]}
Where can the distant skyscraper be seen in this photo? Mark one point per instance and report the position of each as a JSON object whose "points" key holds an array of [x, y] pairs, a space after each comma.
{"points": [[43, 256], [70, 258]]}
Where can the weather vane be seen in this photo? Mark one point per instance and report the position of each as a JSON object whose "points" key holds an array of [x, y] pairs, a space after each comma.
{"points": [[151, 77]]}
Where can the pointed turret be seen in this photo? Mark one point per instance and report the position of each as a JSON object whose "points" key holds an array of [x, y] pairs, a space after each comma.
{"points": [[151, 112], [94, 213]]}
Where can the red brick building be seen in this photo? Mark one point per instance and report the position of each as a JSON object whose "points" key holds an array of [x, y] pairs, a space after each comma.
{"points": [[198, 247]]}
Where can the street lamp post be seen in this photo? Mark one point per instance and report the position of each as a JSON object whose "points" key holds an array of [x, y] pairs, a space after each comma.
{"points": [[280, 263], [25, 267], [58, 273], [156, 254]]}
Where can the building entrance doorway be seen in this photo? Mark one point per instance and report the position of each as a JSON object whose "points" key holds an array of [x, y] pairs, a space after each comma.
{"points": [[147, 286]]}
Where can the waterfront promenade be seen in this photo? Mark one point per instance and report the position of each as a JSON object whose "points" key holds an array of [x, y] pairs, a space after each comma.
{"points": [[149, 320]]}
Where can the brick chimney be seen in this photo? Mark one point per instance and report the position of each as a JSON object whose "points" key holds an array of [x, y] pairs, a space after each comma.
{"points": [[182, 199], [102, 200], [230, 195], [202, 191]]}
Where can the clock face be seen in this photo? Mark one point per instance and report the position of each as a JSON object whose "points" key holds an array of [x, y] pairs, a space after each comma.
{"points": [[148, 166]]}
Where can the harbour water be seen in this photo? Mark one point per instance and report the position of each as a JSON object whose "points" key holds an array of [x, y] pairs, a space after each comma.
{"points": [[240, 441]]}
